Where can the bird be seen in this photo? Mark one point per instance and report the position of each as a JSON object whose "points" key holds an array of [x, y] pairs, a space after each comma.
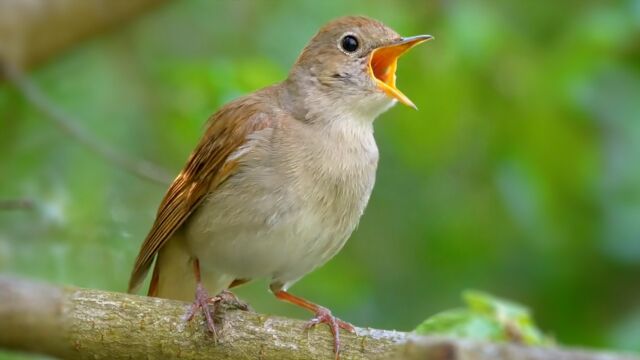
{"points": [[280, 178]]}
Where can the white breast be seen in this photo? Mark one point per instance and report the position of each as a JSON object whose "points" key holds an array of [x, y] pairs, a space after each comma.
{"points": [[297, 197]]}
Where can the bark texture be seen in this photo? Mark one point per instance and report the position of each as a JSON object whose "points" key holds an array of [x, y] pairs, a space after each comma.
{"points": [[72, 323]]}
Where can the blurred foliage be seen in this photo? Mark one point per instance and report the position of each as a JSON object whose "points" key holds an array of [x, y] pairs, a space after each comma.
{"points": [[487, 318], [519, 175]]}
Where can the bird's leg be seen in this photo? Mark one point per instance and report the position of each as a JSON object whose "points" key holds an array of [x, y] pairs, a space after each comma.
{"points": [[202, 302], [322, 315]]}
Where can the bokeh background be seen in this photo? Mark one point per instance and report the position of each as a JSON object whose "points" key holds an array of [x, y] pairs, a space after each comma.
{"points": [[519, 175]]}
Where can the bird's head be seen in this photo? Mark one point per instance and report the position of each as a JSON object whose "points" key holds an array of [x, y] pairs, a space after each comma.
{"points": [[350, 64]]}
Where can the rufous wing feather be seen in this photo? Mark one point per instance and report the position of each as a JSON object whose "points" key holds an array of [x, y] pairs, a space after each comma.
{"points": [[208, 167]]}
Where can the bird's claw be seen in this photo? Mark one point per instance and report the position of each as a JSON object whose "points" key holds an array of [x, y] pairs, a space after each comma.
{"points": [[201, 303], [229, 298], [324, 316]]}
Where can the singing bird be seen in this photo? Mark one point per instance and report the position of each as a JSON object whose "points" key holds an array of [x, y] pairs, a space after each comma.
{"points": [[281, 177]]}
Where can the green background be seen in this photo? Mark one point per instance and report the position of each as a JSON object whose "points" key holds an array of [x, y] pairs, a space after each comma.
{"points": [[519, 175]]}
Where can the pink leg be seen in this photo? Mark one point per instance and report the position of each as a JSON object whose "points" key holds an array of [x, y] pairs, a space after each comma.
{"points": [[202, 302]]}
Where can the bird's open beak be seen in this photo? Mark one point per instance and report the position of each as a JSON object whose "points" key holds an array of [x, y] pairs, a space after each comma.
{"points": [[384, 61]]}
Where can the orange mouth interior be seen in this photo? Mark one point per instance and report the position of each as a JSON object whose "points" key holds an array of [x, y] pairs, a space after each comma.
{"points": [[383, 64]]}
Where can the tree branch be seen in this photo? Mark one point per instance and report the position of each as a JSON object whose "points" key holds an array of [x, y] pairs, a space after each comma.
{"points": [[34, 30], [140, 168], [16, 204], [74, 323]]}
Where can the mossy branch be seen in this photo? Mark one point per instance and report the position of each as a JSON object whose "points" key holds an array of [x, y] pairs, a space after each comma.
{"points": [[73, 323]]}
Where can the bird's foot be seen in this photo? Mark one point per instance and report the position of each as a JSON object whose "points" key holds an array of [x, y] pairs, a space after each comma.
{"points": [[201, 303], [229, 298], [324, 316]]}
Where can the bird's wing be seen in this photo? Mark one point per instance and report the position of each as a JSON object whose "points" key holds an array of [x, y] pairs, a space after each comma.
{"points": [[208, 167]]}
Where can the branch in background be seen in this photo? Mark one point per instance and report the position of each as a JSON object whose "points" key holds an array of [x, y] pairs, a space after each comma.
{"points": [[35, 30], [16, 204], [73, 323], [140, 168]]}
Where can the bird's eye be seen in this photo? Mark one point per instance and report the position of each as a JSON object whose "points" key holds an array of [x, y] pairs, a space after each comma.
{"points": [[349, 43]]}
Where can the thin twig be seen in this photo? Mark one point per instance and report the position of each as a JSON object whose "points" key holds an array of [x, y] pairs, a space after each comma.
{"points": [[140, 168], [16, 204]]}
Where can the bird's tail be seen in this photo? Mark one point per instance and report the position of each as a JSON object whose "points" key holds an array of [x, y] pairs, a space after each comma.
{"points": [[174, 277]]}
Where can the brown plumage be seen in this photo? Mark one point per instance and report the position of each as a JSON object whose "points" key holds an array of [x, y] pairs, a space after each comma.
{"points": [[206, 169], [281, 177]]}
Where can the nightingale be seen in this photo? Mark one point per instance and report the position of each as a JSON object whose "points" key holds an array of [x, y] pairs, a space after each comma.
{"points": [[281, 177]]}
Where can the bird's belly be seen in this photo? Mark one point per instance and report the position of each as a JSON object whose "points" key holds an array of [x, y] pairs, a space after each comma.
{"points": [[261, 234], [288, 209]]}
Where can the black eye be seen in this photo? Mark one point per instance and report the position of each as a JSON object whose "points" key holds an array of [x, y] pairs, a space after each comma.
{"points": [[349, 43]]}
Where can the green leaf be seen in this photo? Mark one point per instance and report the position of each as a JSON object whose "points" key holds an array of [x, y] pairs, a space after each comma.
{"points": [[461, 323], [488, 318]]}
